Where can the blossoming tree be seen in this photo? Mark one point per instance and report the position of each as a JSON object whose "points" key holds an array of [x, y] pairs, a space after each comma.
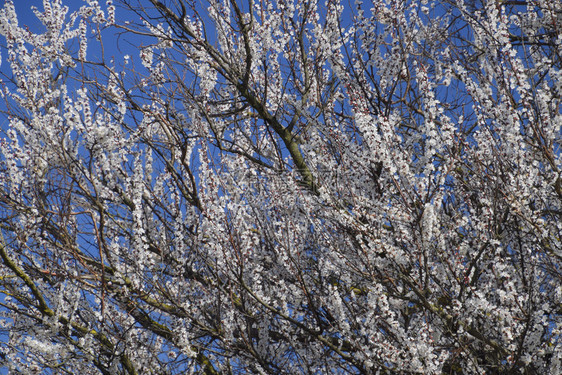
{"points": [[282, 187]]}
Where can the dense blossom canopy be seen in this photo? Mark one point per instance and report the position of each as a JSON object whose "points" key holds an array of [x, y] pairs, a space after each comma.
{"points": [[281, 187]]}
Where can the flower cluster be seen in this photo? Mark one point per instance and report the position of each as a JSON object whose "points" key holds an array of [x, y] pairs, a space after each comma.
{"points": [[282, 187]]}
